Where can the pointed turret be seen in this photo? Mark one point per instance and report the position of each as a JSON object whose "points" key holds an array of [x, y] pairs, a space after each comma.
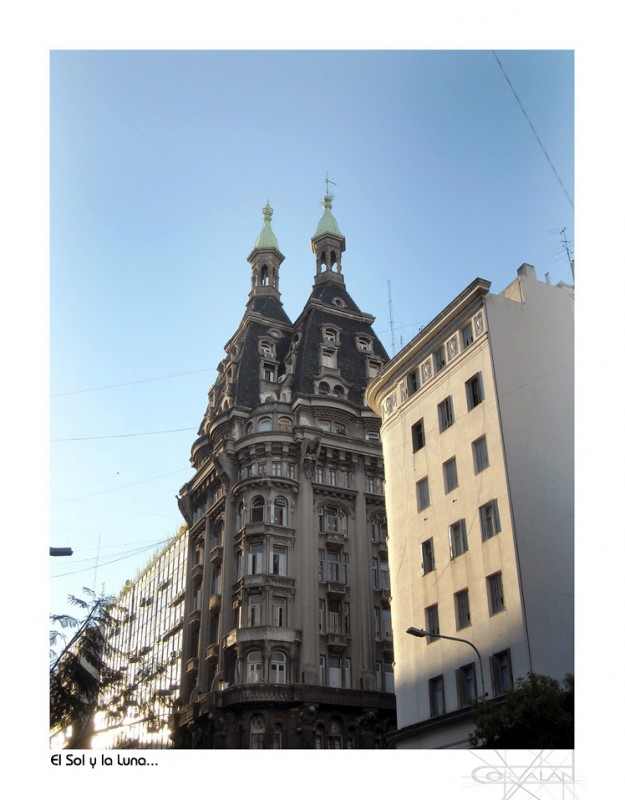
{"points": [[265, 259], [328, 244]]}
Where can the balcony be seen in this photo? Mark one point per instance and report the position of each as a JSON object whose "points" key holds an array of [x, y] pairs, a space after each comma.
{"points": [[214, 602], [194, 616], [197, 571], [335, 590], [193, 665], [216, 554], [262, 633], [337, 642], [211, 653]]}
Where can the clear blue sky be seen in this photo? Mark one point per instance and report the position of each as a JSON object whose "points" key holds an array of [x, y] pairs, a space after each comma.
{"points": [[161, 162]]}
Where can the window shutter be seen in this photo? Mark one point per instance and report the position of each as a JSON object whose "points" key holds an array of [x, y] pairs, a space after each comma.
{"points": [[496, 516]]}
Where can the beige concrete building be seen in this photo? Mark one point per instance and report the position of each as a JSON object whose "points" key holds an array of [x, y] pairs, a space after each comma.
{"points": [[477, 438]]}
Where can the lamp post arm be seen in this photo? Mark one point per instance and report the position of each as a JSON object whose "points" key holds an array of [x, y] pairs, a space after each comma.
{"points": [[477, 653]]}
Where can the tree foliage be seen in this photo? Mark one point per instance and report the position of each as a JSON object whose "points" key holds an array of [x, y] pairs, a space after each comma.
{"points": [[79, 671], [537, 714], [82, 680]]}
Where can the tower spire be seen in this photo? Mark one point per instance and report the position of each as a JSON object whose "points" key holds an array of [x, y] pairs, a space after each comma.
{"points": [[265, 259], [328, 243]]}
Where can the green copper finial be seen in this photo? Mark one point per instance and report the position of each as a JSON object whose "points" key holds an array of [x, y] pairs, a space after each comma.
{"points": [[327, 223], [266, 239]]}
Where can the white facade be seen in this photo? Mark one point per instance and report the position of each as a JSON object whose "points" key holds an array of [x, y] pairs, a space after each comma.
{"points": [[147, 646], [478, 449]]}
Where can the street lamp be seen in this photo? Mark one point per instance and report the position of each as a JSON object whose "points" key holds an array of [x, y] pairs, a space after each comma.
{"points": [[420, 633], [61, 551]]}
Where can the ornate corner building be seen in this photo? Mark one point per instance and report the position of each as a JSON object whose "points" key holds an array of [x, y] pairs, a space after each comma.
{"points": [[287, 638]]}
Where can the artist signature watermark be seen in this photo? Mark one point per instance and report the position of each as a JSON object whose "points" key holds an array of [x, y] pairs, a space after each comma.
{"points": [[543, 774]]}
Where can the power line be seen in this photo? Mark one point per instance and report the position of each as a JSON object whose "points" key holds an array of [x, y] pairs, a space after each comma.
{"points": [[129, 383], [122, 435], [134, 554], [529, 122], [117, 488]]}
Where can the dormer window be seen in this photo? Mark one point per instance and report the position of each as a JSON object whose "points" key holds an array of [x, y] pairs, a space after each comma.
{"points": [[328, 357], [331, 335], [267, 349], [364, 344], [324, 388], [373, 367]]}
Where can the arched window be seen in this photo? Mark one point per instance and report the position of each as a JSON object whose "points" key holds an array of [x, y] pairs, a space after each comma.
{"points": [[332, 520], [280, 509], [335, 735], [249, 427], [277, 736], [277, 668], [265, 424], [240, 515], [254, 670], [264, 275], [324, 388], [267, 348], [257, 732], [285, 425], [330, 334], [339, 391], [258, 509]]}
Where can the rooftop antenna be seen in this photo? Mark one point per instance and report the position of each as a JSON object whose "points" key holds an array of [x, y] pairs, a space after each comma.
{"points": [[97, 558], [568, 251], [390, 316], [328, 181]]}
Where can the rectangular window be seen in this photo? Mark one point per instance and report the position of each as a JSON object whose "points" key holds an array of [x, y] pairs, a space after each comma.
{"points": [[494, 585], [334, 616], [427, 556], [467, 336], [475, 391], [322, 616], [458, 538], [450, 475], [445, 414], [333, 566], [418, 435], [255, 559], [279, 612], [254, 611], [463, 613], [437, 696], [489, 520], [387, 627], [269, 373], [385, 575], [423, 494], [501, 669], [439, 359], [278, 560], [431, 620], [467, 687], [480, 454], [413, 382], [328, 358], [322, 565]]}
